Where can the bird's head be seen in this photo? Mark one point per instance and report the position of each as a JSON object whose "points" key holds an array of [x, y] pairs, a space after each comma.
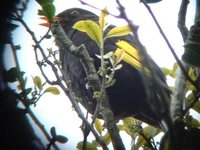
{"points": [[69, 17]]}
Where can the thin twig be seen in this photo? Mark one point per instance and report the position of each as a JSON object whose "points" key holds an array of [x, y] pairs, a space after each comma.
{"points": [[148, 141], [24, 102], [37, 45], [59, 83], [170, 46], [161, 105]]}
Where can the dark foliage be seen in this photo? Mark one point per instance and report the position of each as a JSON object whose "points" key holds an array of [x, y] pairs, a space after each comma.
{"points": [[15, 130]]}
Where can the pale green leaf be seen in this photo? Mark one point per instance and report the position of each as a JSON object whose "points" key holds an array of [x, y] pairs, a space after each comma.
{"points": [[102, 20], [52, 90], [98, 126], [150, 131], [119, 66], [92, 29], [119, 55], [191, 122], [140, 142], [106, 138], [166, 71], [119, 31], [98, 56], [108, 55], [90, 146], [120, 127], [130, 126], [173, 73], [192, 74], [195, 123], [37, 81], [196, 107]]}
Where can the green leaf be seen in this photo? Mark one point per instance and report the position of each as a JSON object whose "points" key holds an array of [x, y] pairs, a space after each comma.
{"points": [[150, 131], [117, 67], [28, 91], [98, 126], [102, 20], [192, 74], [25, 92], [119, 55], [173, 71], [195, 123], [52, 90], [90, 146], [166, 71], [140, 142], [61, 139], [92, 29], [191, 122], [132, 126], [108, 55], [189, 99], [197, 107], [106, 138], [43, 2], [53, 131], [94, 142], [120, 127], [13, 74], [49, 11], [119, 31], [37, 81]]}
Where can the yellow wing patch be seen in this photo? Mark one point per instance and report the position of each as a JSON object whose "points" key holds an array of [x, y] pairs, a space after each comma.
{"points": [[130, 54]]}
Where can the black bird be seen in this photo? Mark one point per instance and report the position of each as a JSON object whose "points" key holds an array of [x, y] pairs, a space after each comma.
{"points": [[128, 96]]}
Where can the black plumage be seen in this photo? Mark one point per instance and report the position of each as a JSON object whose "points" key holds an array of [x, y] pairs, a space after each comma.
{"points": [[128, 96]]}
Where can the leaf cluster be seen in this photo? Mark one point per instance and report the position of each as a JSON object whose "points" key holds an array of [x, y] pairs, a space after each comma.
{"points": [[48, 9]]}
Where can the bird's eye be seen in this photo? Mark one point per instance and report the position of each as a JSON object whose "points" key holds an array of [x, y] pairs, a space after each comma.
{"points": [[74, 13]]}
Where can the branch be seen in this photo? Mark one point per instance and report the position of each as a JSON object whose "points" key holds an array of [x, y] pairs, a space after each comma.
{"points": [[37, 46], [160, 105], [147, 140], [93, 79], [181, 19], [180, 84], [196, 23], [178, 97], [170, 46], [24, 101], [58, 82], [186, 36]]}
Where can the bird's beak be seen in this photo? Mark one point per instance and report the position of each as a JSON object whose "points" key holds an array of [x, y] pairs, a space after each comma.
{"points": [[47, 23]]}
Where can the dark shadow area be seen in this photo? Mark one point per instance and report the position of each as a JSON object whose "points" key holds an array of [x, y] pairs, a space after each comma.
{"points": [[16, 132]]}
